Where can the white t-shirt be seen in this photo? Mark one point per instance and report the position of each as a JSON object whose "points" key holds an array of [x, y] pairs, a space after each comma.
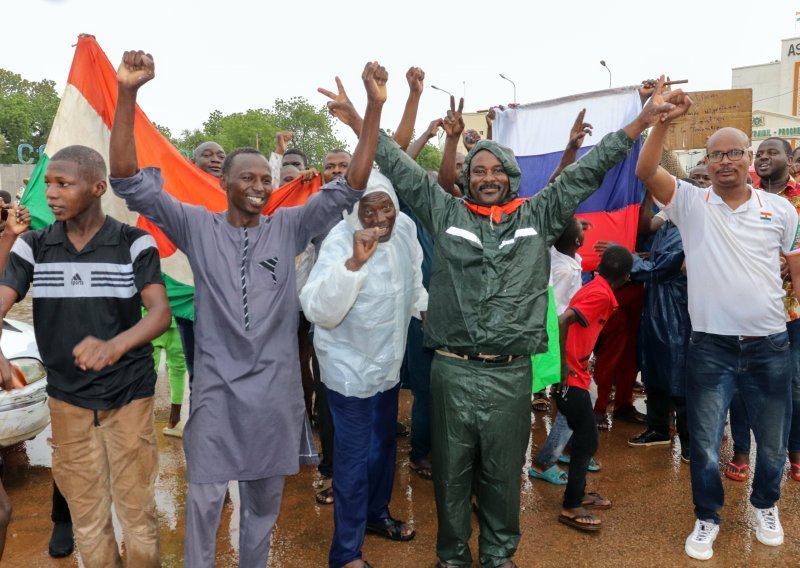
{"points": [[565, 278], [732, 264]]}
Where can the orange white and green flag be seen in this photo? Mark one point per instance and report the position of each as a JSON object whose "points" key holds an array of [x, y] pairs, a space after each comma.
{"points": [[85, 116]]}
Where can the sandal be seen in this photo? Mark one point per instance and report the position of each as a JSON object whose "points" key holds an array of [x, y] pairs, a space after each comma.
{"points": [[581, 522], [554, 475], [423, 469], [737, 472], [794, 474], [390, 528], [594, 465], [325, 495], [596, 501], [540, 404], [602, 422]]}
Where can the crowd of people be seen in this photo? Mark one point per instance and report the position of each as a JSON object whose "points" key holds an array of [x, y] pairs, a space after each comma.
{"points": [[438, 279]]}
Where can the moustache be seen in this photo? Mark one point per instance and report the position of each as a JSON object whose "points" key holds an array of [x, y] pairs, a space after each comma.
{"points": [[485, 186]]}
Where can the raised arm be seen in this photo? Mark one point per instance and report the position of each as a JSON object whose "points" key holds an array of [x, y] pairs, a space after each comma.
{"points": [[374, 77], [453, 126], [554, 205], [657, 180], [136, 69], [412, 183], [19, 220], [405, 130], [577, 133], [417, 145]]}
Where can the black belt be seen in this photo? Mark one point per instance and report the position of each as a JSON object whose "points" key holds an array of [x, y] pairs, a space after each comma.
{"points": [[491, 359]]}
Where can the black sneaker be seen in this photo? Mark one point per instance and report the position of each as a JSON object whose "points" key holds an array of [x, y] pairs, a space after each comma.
{"points": [[631, 416], [685, 453], [649, 438], [61, 542]]}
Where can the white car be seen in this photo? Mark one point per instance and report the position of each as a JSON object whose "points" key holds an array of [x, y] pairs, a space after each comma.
{"points": [[23, 412]]}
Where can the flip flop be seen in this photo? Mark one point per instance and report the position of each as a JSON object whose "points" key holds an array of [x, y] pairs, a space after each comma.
{"points": [[325, 495], [596, 501], [553, 474], [540, 404], [390, 528], [737, 472], [576, 523], [594, 465], [423, 469], [794, 474]]}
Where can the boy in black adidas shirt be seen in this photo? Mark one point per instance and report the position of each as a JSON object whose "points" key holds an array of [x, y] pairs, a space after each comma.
{"points": [[90, 275]]}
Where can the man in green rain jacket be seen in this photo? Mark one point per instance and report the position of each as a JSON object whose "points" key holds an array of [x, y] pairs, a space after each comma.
{"points": [[487, 315]]}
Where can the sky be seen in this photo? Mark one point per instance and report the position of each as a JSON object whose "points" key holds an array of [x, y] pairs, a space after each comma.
{"points": [[233, 55]]}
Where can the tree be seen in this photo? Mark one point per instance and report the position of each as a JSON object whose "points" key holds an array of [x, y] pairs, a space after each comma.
{"points": [[165, 132], [191, 139], [27, 110], [430, 157], [312, 127]]}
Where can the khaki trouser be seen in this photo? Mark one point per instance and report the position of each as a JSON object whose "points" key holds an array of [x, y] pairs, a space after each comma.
{"points": [[93, 464]]}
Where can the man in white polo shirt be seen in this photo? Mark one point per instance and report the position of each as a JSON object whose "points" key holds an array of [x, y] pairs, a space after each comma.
{"points": [[733, 236]]}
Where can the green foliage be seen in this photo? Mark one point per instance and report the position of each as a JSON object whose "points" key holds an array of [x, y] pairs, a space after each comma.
{"points": [[312, 127], [430, 157], [165, 132], [27, 110]]}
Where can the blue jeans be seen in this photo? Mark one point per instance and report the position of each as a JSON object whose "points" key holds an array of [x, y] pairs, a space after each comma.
{"points": [[760, 370], [556, 441], [740, 424], [365, 453]]}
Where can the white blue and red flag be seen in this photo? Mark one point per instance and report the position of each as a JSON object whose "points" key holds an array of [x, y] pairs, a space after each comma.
{"points": [[538, 133]]}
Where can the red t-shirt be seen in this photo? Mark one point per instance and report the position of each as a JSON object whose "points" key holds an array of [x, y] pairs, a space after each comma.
{"points": [[593, 304]]}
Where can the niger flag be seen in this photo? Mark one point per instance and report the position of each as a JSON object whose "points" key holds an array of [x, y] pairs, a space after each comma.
{"points": [[85, 116]]}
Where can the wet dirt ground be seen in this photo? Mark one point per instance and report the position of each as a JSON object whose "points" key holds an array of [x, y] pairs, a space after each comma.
{"points": [[647, 526]]}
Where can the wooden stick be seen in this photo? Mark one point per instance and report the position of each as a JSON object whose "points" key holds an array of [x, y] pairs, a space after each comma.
{"points": [[677, 82]]}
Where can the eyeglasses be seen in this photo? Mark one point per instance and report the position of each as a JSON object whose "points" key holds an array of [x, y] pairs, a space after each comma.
{"points": [[733, 155]]}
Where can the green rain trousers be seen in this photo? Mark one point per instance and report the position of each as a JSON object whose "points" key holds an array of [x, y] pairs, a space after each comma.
{"points": [[170, 342], [480, 425]]}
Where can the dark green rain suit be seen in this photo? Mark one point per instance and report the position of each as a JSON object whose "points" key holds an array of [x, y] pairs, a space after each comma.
{"points": [[488, 295]]}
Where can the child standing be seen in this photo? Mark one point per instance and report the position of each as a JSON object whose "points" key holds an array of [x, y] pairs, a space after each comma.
{"points": [[579, 327]]}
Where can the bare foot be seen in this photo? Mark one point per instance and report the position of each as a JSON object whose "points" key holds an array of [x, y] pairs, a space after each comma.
{"points": [[740, 459], [174, 415]]}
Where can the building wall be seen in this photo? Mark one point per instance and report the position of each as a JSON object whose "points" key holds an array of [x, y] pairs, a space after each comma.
{"points": [[774, 84], [11, 176], [765, 81]]}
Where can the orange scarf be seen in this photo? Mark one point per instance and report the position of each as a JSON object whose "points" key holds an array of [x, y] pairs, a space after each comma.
{"points": [[496, 211]]}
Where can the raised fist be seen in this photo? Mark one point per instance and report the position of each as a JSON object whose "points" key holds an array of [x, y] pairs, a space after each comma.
{"points": [[136, 69], [375, 77]]}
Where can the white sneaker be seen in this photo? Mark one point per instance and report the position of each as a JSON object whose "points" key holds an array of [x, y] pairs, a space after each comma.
{"points": [[769, 530], [699, 544], [176, 432]]}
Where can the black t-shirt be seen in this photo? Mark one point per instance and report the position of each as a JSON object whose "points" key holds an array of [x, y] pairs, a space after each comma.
{"points": [[92, 292]]}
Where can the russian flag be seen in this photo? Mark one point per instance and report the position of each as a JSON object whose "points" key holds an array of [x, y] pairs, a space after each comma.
{"points": [[538, 133]]}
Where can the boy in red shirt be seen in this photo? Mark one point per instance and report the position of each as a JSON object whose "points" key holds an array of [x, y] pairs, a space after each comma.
{"points": [[579, 327]]}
